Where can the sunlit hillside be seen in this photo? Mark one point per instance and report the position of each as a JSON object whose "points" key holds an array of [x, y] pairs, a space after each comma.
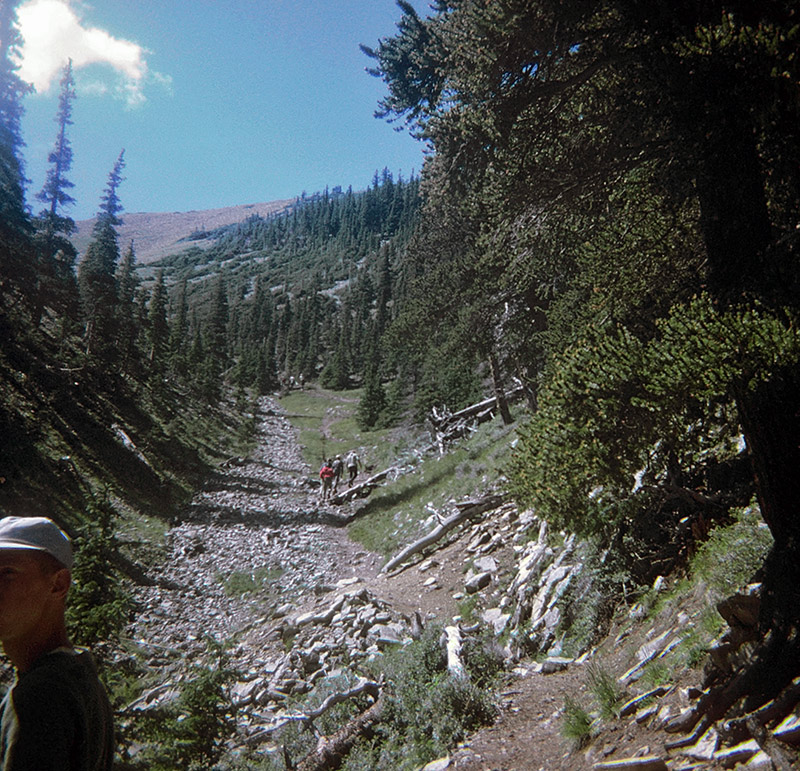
{"points": [[156, 234]]}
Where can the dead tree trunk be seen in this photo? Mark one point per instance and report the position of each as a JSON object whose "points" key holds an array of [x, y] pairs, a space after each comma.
{"points": [[466, 510], [332, 750], [499, 391]]}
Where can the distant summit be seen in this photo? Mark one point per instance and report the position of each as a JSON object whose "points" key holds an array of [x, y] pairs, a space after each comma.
{"points": [[157, 234]]}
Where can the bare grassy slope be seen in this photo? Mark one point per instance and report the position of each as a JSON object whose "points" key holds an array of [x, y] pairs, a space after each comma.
{"points": [[156, 234]]}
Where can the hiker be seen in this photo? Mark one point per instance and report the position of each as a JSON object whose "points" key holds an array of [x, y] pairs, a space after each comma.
{"points": [[56, 713], [352, 467], [326, 475], [337, 472]]}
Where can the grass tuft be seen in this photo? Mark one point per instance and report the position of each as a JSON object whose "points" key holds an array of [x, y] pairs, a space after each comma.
{"points": [[577, 724]]}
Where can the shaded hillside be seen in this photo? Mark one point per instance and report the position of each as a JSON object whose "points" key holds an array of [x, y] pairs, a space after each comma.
{"points": [[157, 234], [75, 440]]}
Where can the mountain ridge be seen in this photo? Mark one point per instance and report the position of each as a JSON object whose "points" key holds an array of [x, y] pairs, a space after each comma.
{"points": [[157, 234]]}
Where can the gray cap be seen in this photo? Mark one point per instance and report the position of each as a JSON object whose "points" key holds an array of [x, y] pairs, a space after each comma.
{"points": [[38, 534]]}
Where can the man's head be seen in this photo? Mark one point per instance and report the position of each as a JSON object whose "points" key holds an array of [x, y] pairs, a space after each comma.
{"points": [[35, 562]]}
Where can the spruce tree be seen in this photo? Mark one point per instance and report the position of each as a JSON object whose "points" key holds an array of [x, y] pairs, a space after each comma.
{"points": [[157, 325], [562, 127], [54, 192], [127, 285], [96, 282], [373, 397], [55, 254], [179, 331]]}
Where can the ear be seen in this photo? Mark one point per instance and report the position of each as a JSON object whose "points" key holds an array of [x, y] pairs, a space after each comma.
{"points": [[60, 583]]}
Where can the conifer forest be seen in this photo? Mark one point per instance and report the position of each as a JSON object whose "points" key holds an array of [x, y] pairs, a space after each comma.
{"points": [[608, 219]]}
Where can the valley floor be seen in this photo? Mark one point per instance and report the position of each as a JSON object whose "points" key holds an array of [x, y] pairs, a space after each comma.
{"points": [[255, 550]]}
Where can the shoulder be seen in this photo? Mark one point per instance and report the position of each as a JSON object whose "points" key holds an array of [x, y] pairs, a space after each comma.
{"points": [[60, 673], [45, 691]]}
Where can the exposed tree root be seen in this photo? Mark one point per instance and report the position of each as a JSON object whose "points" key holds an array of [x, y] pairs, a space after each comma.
{"points": [[739, 729], [783, 757], [763, 692]]}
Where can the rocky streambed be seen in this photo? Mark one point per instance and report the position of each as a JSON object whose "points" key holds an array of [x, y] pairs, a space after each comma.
{"points": [[253, 537], [255, 563], [259, 564]]}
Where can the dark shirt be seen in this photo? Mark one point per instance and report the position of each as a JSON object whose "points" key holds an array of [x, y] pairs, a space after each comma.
{"points": [[56, 717]]}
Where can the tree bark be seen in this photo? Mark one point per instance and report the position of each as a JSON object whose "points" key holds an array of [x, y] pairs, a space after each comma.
{"points": [[331, 750], [499, 391], [737, 233]]}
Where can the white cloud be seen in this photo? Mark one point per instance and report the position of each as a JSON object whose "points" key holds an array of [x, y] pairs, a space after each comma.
{"points": [[53, 33]]}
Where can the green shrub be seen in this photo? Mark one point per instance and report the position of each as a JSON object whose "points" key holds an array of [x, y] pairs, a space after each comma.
{"points": [[730, 557], [190, 732], [615, 403], [427, 710], [576, 724], [657, 673], [239, 583], [98, 606]]}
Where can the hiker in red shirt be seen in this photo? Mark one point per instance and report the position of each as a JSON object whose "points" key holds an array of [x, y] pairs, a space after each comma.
{"points": [[326, 475]]}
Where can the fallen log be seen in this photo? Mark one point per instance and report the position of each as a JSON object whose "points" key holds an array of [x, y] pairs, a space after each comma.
{"points": [[466, 510], [453, 645], [442, 420], [368, 687], [363, 488], [331, 750]]}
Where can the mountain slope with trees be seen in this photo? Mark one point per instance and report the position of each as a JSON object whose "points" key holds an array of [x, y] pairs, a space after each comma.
{"points": [[626, 179], [607, 218]]}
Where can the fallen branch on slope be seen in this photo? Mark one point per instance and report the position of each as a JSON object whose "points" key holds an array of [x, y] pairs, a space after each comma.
{"points": [[466, 510], [368, 687], [331, 750], [363, 488]]}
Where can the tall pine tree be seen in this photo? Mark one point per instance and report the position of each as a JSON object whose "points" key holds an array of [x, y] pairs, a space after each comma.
{"points": [[16, 267], [157, 327], [55, 263], [127, 284], [96, 282]]}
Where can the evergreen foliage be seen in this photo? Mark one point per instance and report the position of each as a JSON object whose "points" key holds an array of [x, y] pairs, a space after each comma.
{"points": [[55, 254], [594, 167], [309, 292], [157, 326], [16, 274], [127, 285], [98, 606], [189, 733], [55, 193], [96, 274]]}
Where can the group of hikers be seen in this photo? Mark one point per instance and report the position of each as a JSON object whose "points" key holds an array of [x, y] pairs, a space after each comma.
{"points": [[332, 472]]}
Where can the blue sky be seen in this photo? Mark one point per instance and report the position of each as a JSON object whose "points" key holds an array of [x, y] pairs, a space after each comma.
{"points": [[216, 102]]}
